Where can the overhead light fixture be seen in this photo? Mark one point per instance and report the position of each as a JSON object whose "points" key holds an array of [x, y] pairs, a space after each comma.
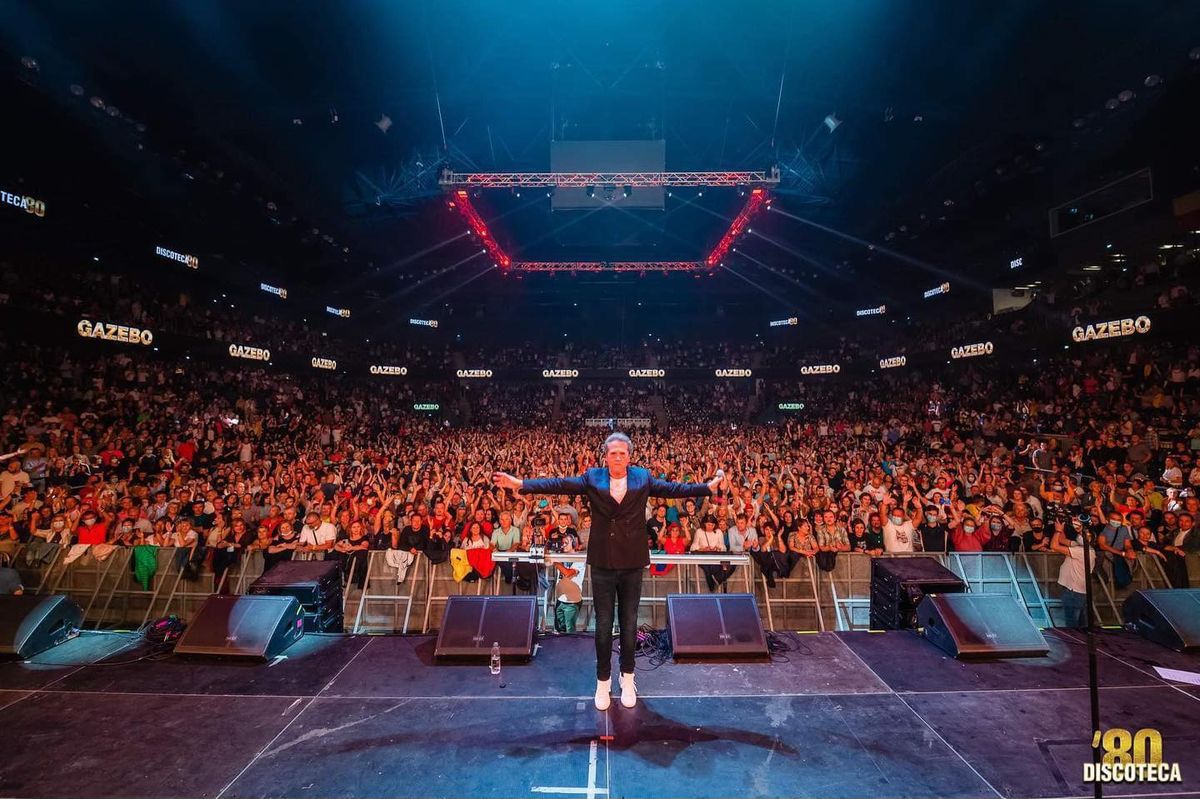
{"points": [[590, 191], [1151, 81], [832, 122], [384, 123], [628, 190]]}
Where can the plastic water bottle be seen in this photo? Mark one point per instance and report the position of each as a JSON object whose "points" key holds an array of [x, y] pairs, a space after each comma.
{"points": [[495, 667]]}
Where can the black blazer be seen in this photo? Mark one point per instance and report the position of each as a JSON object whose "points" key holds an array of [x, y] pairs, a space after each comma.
{"points": [[618, 538]]}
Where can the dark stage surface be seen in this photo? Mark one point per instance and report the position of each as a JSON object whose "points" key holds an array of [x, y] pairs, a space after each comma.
{"points": [[847, 715]]}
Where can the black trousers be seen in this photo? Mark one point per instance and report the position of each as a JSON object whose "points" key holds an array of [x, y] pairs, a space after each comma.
{"points": [[619, 589]]}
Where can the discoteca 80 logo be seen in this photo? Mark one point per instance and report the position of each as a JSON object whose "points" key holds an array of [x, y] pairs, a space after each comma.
{"points": [[1130, 757], [29, 205]]}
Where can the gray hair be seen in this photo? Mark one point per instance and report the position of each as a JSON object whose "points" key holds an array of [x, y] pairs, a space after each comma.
{"points": [[621, 437]]}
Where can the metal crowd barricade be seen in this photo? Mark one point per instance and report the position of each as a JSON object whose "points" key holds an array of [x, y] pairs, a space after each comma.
{"points": [[35, 577], [379, 574], [82, 577], [117, 566], [1002, 573], [656, 588], [132, 594], [654, 597], [1044, 567], [809, 597], [189, 597], [439, 579], [249, 569], [849, 586]]}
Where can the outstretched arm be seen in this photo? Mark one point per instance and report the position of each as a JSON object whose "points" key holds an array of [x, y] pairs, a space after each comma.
{"points": [[541, 485], [663, 488]]}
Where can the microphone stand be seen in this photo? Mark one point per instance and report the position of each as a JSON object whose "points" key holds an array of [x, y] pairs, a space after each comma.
{"points": [[1090, 630]]}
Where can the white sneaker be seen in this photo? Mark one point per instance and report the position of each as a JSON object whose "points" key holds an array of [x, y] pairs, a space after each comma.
{"points": [[628, 690], [603, 694]]}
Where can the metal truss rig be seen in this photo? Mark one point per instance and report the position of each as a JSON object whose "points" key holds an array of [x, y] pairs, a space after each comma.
{"points": [[460, 201], [511, 180], [609, 266]]}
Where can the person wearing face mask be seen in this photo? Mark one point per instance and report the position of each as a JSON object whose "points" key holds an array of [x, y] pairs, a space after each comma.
{"points": [[965, 533], [91, 527], [1114, 540], [933, 532], [45, 538], [1035, 539], [1001, 537], [898, 532], [1071, 575]]}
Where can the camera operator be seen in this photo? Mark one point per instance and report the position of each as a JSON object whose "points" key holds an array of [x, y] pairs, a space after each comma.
{"points": [[1071, 575]]}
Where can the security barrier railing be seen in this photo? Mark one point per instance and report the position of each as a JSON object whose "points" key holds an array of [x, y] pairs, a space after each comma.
{"points": [[810, 599]]}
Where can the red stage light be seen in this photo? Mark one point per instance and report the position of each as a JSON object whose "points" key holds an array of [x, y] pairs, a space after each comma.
{"points": [[758, 198]]}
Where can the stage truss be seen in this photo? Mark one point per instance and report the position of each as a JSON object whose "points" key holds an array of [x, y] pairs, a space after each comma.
{"points": [[513, 180], [459, 199]]}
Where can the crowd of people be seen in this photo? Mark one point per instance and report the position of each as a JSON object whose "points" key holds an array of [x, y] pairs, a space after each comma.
{"points": [[126, 452], [131, 450]]}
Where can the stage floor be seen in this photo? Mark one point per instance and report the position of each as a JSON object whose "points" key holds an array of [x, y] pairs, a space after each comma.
{"points": [[845, 715]]}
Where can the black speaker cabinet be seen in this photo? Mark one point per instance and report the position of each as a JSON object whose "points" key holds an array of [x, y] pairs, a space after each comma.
{"points": [[313, 582], [1168, 616], [980, 626], [715, 625], [897, 585], [258, 627], [32, 624], [471, 624]]}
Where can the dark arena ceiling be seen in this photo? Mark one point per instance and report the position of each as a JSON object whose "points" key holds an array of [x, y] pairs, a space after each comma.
{"points": [[300, 143]]}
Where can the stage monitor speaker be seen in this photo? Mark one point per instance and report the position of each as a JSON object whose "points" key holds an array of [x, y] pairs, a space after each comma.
{"points": [[471, 624], [898, 584], [32, 624], [715, 625], [258, 627], [1168, 616], [980, 626]]}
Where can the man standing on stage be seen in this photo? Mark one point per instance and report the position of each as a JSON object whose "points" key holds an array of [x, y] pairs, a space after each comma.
{"points": [[617, 549]]}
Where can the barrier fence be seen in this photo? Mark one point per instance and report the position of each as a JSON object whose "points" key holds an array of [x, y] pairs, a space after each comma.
{"points": [[116, 593]]}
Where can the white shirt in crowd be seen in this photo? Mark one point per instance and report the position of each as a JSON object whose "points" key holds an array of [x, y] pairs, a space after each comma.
{"points": [[706, 540], [898, 537], [1071, 573], [323, 533]]}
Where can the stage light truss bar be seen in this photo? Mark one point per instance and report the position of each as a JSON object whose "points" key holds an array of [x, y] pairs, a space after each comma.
{"points": [[608, 266], [758, 199], [513, 180], [461, 202]]}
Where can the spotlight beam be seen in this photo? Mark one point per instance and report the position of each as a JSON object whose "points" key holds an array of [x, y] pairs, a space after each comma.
{"points": [[453, 289], [908, 259], [782, 301]]}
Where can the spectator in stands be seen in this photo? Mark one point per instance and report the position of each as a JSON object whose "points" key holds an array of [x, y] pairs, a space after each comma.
{"points": [[283, 545], [352, 550], [317, 534], [708, 539], [1185, 541]]}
